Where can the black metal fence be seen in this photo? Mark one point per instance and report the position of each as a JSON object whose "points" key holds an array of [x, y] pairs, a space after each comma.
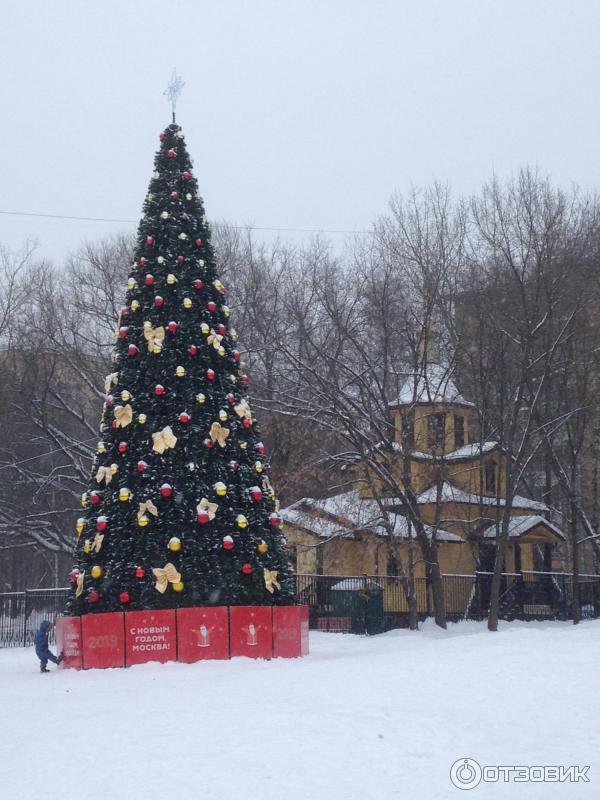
{"points": [[365, 604]]}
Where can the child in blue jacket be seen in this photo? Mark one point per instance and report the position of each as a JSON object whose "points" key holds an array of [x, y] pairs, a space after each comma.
{"points": [[41, 646]]}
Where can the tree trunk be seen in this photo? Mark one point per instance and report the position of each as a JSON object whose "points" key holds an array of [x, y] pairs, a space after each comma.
{"points": [[575, 604]]}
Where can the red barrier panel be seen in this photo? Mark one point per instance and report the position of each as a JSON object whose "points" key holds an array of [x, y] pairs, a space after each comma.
{"points": [[202, 633], [150, 636], [68, 641], [103, 638], [251, 631], [290, 631]]}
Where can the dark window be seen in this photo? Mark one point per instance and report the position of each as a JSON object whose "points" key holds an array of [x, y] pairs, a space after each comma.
{"points": [[392, 565], [459, 431], [490, 477], [408, 429], [436, 430]]}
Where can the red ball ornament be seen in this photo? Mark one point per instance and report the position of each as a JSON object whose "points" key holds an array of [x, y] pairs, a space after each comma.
{"points": [[93, 596], [198, 242], [123, 331], [142, 262], [101, 524], [184, 418], [172, 327], [114, 424], [235, 355], [141, 466], [166, 490], [159, 390], [181, 259], [158, 301], [140, 572], [95, 498], [274, 520], [246, 423], [227, 543], [186, 176], [122, 447], [174, 195], [247, 569], [149, 240], [73, 575], [256, 494], [149, 280], [198, 284], [210, 374], [125, 311], [230, 397], [132, 350], [245, 380], [233, 466], [171, 153], [209, 443], [124, 597], [260, 448], [222, 329], [212, 306], [203, 517], [193, 350], [162, 136]]}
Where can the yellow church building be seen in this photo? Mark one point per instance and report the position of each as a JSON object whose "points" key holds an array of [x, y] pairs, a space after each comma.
{"points": [[343, 535]]}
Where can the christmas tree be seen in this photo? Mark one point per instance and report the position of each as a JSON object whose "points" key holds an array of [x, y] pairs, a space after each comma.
{"points": [[179, 510]]}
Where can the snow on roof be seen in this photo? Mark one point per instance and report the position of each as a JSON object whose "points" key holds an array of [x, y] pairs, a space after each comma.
{"points": [[452, 494], [347, 512], [471, 450], [355, 584], [518, 526], [433, 385]]}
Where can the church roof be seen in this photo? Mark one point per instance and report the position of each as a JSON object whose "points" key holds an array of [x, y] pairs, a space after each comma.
{"points": [[518, 526], [433, 384], [346, 513], [454, 494]]}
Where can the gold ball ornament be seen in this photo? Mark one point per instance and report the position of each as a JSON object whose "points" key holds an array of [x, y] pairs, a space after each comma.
{"points": [[114, 469], [125, 395], [171, 279], [222, 415], [220, 489], [241, 521], [218, 285], [233, 334], [87, 546], [124, 494], [200, 398], [221, 351], [157, 348], [204, 328], [178, 586], [262, 547], [80, 525], [174, 544], [84, 500], [100, 447], [243, 445], [258, 466], [187, 303], [135, 305], [226, 311], [142, 419], [143, 521], [180, 372], [131, 283], [97, 572]]}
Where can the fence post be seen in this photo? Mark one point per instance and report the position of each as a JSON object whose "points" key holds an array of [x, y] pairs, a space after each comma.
{"points": [[26, 604]]}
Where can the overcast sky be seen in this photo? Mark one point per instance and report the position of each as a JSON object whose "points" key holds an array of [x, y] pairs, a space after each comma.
{"points": [[297, 113]]}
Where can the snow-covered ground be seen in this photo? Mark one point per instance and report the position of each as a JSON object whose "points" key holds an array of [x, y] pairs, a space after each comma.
{"points": [[365, 718]]}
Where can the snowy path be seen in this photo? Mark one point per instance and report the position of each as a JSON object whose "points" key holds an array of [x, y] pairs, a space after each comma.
{"points": [[365, 718]]}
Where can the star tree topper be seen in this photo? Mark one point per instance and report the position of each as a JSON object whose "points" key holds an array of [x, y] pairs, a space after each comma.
{"points": [[173, 90]]}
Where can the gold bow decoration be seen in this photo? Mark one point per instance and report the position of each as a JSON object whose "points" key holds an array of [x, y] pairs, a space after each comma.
{"points": [[80, 579], [109, 380], [163, 440], [215, 339], [271, 582], [206, 506], [123, 415], [219, 434], [164, 576], [104, 474], [97, 543], [154, 337], [147, 505], [242, 409]]}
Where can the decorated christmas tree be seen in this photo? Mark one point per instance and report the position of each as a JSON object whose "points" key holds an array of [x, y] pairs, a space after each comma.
{"points": [[179, 510]]}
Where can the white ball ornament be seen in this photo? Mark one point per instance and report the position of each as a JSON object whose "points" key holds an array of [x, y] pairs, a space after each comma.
{"points": [[160, 260], [164, 215], [183, 235], [188, 196]]}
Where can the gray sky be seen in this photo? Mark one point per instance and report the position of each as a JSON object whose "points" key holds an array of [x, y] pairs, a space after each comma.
{"points": [[298, 113]]}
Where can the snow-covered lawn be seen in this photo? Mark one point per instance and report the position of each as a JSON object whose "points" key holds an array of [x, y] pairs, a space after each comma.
{"points": [[365, 718]]}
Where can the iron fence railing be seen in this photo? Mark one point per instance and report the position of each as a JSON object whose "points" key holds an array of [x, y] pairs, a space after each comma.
{"points": [[365, 603]]}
